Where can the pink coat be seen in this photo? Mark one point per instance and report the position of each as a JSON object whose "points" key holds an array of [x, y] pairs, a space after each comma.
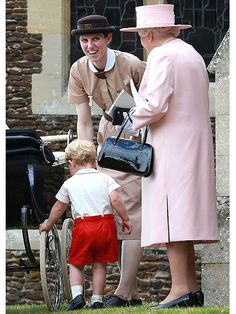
{"points": [[178, 199]]}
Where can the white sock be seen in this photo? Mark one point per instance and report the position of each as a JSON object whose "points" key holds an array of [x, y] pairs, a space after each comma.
{"points": [[96, 298], [76, 290]]}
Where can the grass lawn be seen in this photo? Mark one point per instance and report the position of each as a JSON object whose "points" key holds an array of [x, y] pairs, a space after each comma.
{"points": [[38, 309]]}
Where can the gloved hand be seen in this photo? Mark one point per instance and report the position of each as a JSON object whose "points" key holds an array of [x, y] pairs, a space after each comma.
{"points": [[128, 128]]}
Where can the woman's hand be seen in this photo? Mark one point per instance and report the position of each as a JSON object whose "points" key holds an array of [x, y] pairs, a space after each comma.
{"points": [[126, 224], [128, 128]]}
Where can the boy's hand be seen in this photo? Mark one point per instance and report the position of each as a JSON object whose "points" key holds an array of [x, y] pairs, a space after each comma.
{"points": [[126, 224], [43, 226]]}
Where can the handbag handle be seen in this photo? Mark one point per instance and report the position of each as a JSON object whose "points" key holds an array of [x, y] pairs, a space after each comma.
{"points": [[127, 118]]}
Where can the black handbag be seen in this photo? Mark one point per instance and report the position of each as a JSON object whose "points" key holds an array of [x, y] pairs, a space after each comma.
{"points": [[126, 155], [118, 117]]}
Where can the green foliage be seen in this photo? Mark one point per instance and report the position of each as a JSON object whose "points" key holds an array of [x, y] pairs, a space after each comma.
{"points": [[39, 309]]}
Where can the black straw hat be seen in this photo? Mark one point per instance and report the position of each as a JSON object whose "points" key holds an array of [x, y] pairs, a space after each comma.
{"points": [[92, 24]]}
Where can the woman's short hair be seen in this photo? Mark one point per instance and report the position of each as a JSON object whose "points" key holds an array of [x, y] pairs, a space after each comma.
{"points": [[161, 31], [82, 151]]}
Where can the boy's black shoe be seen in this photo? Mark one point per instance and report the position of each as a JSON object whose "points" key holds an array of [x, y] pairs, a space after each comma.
{"points": [[76, 303], [97, 305]]}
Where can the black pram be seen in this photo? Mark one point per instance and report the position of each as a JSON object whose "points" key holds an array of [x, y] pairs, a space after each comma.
{"points": [[33, 177]]}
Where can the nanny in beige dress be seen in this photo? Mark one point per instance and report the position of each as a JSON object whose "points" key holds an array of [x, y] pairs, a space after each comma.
{"points": [[98, 78]]}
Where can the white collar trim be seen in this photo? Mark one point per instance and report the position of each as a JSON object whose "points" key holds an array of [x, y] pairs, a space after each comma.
{"points": [[111, 59], [86, 170]]}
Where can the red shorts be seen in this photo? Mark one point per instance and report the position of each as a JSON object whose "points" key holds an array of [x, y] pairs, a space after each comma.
{"points": [[94, 239]]}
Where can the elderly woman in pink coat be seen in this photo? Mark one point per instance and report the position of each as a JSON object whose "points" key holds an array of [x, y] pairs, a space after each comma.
{"points": [[178, 199]]}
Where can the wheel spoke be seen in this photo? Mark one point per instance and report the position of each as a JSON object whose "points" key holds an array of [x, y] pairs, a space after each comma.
{"points": [[66, 236], [50, 268]]}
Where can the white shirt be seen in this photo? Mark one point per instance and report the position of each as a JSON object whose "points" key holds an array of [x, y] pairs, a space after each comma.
{"points": [[88, 192]]}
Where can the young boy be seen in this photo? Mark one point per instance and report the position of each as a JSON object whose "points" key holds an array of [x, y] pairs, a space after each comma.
{"points": [[92, 196]]}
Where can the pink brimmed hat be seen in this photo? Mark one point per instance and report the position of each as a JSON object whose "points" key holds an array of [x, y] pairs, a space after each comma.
{"points": [[155, 15]]}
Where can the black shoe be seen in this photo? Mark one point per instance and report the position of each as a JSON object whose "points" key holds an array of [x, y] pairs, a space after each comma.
{"points": [[77, 303], [198, 298], [183, 301], [114, 300], [97, 305], [135, 302]]}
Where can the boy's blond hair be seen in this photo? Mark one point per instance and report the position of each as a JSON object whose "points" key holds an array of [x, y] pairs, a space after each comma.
{"points": [[82, 151]]}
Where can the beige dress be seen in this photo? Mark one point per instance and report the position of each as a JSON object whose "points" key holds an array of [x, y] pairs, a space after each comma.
{"points": [[83, 83]]}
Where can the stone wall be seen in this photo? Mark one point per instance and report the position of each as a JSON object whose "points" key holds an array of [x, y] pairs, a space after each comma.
{"points": [[215, 258], [153, 279], [23, 59]]}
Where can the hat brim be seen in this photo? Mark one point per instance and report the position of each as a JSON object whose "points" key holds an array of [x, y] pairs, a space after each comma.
{"points": [[137, 29], [77, 32]]}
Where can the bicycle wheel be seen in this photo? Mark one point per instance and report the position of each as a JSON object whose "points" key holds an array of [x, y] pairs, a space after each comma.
{"points": [[50, 268], [66, 234]]}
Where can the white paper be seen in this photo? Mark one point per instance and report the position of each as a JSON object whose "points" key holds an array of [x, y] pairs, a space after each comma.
{"points": [[124, 100]]}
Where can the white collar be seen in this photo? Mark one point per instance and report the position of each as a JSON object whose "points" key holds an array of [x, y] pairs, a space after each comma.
{"points": [[111, 59], [86, 170]]}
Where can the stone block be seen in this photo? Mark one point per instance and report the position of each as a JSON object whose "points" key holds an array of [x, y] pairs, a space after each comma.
{"points": [[219, 252], [221, 95], [14, 240], [222, 135], [215, 284], [44, 16], [222, 175], [52, 46], [216, 253]]}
